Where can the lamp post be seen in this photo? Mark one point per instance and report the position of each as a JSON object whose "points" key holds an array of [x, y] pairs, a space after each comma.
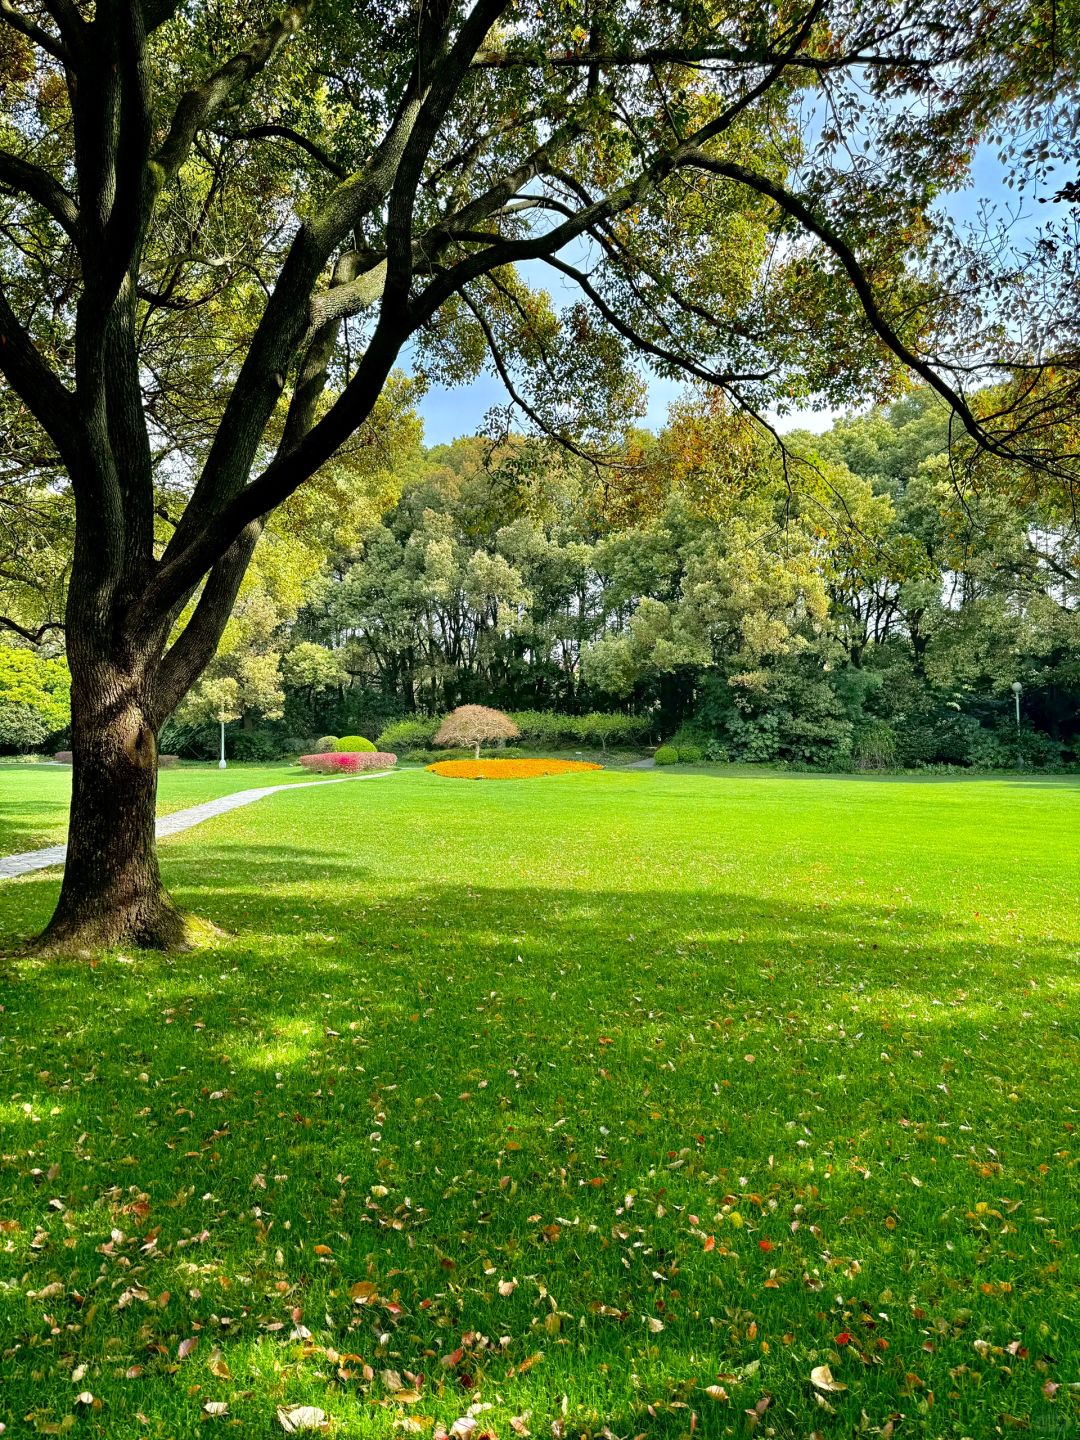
{"points": [[1016, 688], [221, 762]]}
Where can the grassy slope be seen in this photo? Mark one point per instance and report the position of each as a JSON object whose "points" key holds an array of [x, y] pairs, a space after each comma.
{"points": [[765, 1062], [34, 798]]}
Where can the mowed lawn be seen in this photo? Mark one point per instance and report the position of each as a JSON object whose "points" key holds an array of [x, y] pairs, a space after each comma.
{"points": [[34, 798], [609, 1103]]}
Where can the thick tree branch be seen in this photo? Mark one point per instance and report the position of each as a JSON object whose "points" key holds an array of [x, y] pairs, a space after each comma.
{"points": [[198, 107], [38, 185], [185, 566], [51, 404], [34, 33]]}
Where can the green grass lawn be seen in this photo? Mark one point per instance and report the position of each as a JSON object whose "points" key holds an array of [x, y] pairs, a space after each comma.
{"points": [[617, 1100], [34, 798]]}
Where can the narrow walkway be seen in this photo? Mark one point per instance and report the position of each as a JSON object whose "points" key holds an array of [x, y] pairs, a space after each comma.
{"points": [[172, 824]]}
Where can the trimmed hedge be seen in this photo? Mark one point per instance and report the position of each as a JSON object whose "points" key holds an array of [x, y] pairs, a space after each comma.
{"points": [[666, 755], [690, 755], [325, 744], [348, 762], [415, 734], [543, 727], [355, 745]]}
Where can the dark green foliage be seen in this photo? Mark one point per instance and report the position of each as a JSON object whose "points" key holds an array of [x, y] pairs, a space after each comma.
{"points": [[875, 747], [690, 754], [254, 747]]}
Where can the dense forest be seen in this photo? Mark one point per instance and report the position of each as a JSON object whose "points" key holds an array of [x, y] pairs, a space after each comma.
{"points": [[865, 597]]}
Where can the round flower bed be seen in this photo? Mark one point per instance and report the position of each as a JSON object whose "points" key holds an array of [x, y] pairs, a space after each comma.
{"points": [[508, 769]]}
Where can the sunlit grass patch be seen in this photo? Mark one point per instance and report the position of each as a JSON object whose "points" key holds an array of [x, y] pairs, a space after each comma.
{"points": [[626, 1104]]}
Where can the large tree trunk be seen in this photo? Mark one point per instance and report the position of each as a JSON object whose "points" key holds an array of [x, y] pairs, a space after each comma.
{"points": [[112, 891]]}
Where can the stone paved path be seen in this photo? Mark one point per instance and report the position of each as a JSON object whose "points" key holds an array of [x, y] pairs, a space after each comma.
{"points": [[12, 865]]}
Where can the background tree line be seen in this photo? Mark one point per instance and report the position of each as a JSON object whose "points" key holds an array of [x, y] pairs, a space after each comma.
{"points": [[867, 598]]}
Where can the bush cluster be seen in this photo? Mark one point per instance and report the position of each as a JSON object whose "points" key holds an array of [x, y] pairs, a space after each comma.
{"points": [[348, 762], [417, 733], [354, 744], [599, 727], [666, 755]]}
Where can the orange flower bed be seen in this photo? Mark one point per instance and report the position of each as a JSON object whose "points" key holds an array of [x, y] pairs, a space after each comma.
{"points": [[507, 769]]}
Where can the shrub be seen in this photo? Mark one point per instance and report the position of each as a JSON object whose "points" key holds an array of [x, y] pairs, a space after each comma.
{"points": [[253, 746], [348, 762], [875, 747], [690, 755], [541, 727], [609, 729], [63, 757], [415, 734], [356, 744], [21, 726], [666, 755], [473, 724], [324, 745]]}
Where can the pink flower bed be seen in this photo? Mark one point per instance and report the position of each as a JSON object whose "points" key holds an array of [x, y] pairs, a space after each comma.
{"points": [[348, 762]]}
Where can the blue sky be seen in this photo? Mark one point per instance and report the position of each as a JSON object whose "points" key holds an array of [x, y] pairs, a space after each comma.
{"points": [[448, 413]]}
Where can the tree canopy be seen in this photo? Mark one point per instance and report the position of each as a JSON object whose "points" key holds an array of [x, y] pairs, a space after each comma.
{"points": [[221, 231]]}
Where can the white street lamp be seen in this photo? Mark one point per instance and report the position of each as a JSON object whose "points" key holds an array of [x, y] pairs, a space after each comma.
{"points": [[221, 762], [1016, 688]]}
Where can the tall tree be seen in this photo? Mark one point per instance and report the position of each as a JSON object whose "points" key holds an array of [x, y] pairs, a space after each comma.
{"points": [[220, 231]]}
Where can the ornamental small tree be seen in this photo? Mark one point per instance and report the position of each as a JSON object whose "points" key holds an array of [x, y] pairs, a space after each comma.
{"points": [[473, 724]]}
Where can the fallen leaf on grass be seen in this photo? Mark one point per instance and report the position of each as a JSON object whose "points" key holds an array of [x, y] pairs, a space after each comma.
{"points": [[217, 1364], [293, 1418], [184, 1349], [821, 1377], [215, 1408]]}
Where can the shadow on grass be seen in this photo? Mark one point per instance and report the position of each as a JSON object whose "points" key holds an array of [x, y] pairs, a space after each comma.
{"points": [[448, 1084]]}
